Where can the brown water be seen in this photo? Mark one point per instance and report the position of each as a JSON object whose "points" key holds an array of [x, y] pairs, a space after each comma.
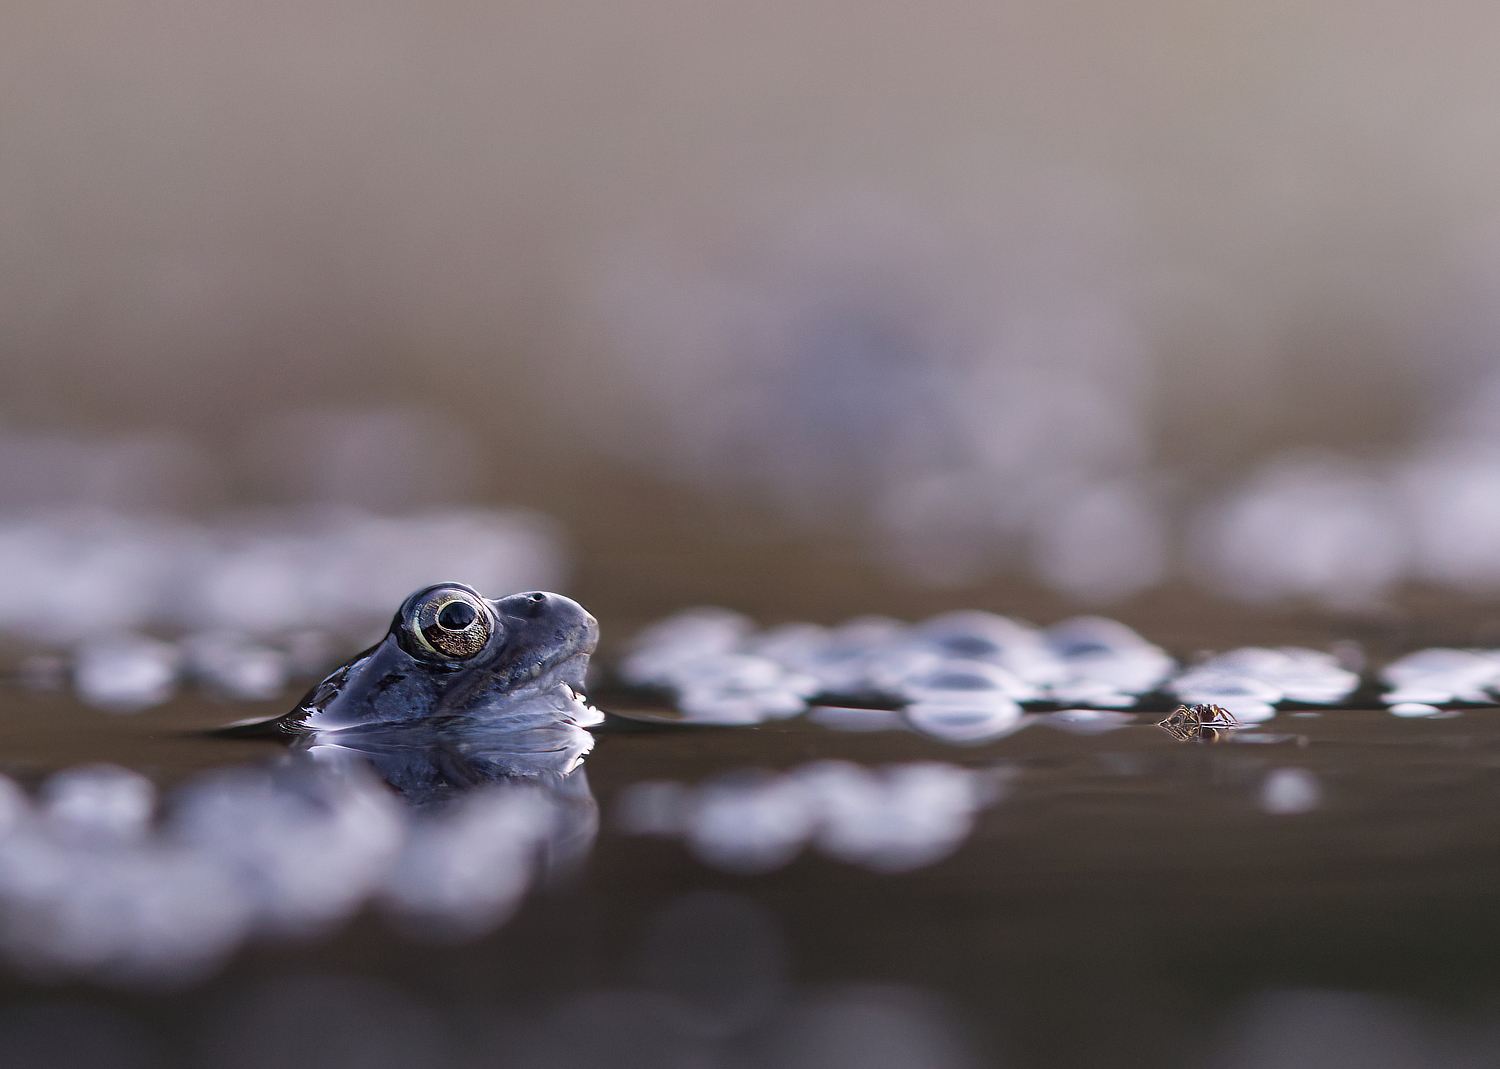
{"points": [[1129, 902]]}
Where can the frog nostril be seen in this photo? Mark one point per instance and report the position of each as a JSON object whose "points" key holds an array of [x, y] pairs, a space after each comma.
{"points": [[530, 605]]}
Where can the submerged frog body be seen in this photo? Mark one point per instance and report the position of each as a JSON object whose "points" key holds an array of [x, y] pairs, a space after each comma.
{"points": [[479, 689]]}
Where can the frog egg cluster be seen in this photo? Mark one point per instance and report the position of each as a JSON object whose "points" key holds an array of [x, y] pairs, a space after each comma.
{"points": [[1346, 533], [962, 676], [894, 818], [95, 883], [1250, 681], [1421, 682], [967, 677], [259, 599]]}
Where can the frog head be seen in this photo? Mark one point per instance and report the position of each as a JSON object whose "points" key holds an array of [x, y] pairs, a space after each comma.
{"points": [[453, 653]]}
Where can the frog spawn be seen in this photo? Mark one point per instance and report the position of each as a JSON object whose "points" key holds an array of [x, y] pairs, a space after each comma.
{"points": [[100, 879], [249, 604], [895, 818], [1423, 681], [95, 883], [960, 676], [1250, 681], [967, 677]]}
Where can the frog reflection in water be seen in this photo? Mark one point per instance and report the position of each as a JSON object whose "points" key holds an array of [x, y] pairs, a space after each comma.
{"points": [[462, 691]]}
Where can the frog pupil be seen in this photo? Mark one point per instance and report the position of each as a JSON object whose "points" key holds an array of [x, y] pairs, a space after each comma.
{"points": [[456, 616]]}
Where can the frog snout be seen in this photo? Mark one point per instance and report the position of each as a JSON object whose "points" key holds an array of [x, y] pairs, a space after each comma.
{"points": [[563, 616]]}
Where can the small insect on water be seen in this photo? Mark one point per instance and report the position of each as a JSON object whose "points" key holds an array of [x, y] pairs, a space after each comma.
{"points": [[1198, 723]]}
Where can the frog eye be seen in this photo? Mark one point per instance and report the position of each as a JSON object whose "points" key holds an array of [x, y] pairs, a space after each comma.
{"points": [[451, 623]]}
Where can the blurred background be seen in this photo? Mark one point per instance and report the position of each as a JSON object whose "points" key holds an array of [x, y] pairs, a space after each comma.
{"points": [[805, 308]]}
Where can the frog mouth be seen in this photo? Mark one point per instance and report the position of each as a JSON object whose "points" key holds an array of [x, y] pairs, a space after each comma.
{"points": [[578, 651]]}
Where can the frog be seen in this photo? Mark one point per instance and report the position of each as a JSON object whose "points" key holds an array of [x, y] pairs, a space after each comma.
{"points": [[461, 690]]}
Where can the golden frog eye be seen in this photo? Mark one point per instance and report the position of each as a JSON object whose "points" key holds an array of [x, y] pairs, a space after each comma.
{"points": [[452, 624]]}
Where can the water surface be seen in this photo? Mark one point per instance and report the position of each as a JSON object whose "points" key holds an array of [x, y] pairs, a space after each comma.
{"points": [[1125, 899]]}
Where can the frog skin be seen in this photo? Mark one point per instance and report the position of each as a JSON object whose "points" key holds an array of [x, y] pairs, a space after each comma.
{"points": [[480, 689]]}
